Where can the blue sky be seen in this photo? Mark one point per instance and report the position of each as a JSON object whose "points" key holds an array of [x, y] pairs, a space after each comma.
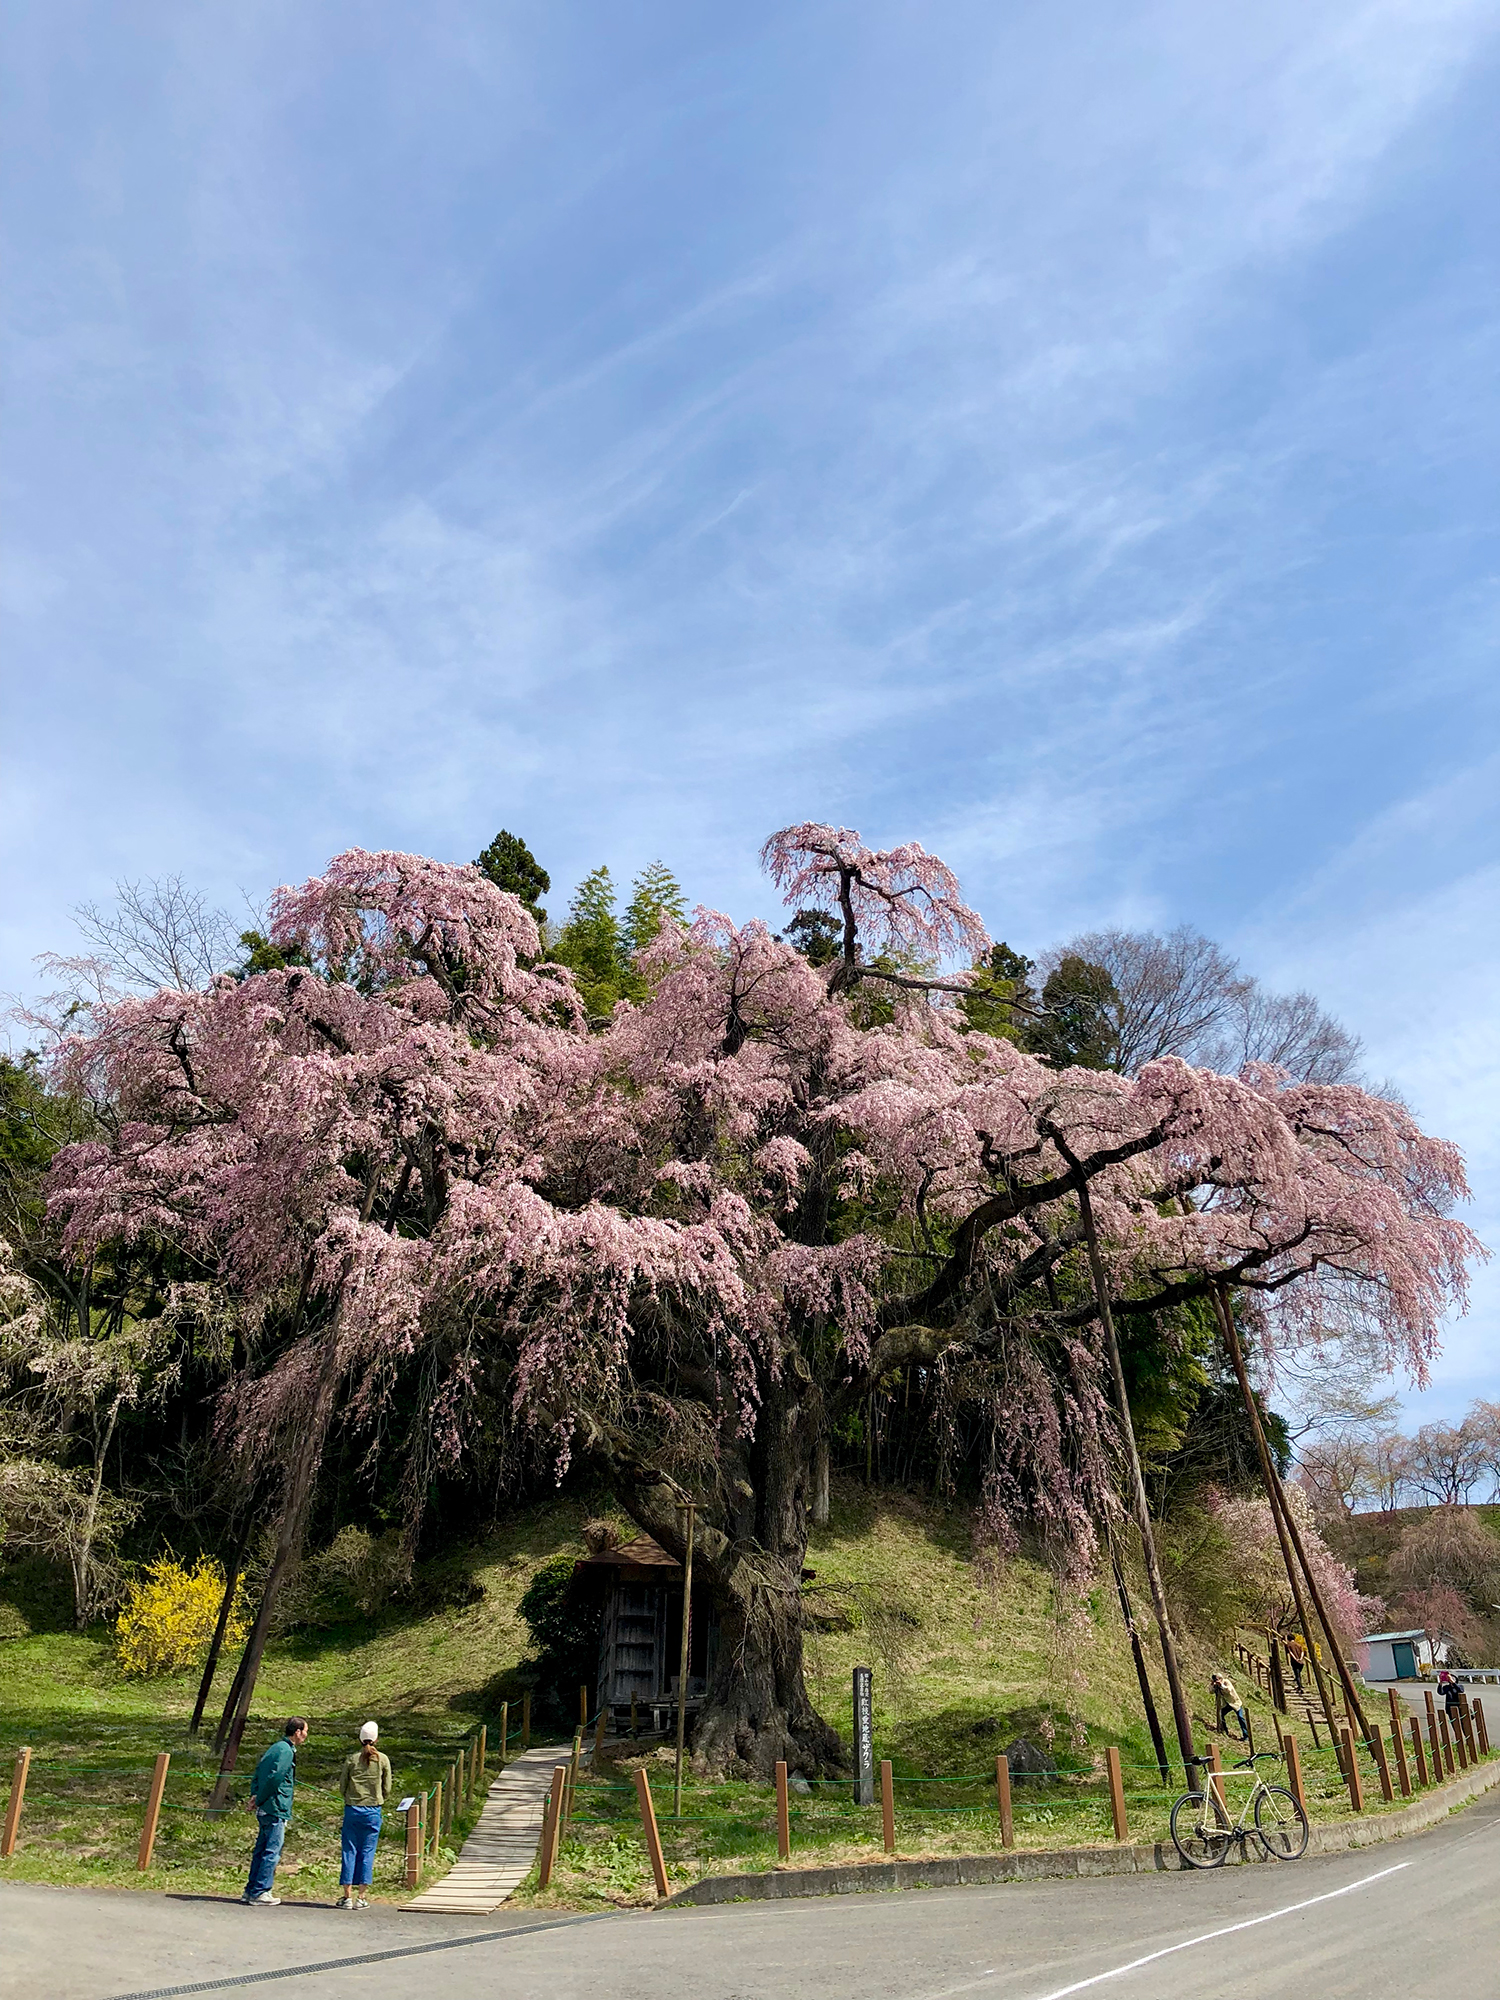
{"points": [[1062, 434]]}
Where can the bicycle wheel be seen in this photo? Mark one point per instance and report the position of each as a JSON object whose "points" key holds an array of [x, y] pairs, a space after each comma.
{"points": [[1281, 1824], [1200, 1842]]}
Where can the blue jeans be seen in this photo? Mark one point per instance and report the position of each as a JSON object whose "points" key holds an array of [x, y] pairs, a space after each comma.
{"points": [[361, 1831], [266, 1854]]}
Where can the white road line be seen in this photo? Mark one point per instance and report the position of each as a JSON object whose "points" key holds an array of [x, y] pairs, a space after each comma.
{"points": [[1228, 1930]]}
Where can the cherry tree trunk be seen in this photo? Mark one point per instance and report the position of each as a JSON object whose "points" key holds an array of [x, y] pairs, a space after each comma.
{"points": [[750, 1555]]}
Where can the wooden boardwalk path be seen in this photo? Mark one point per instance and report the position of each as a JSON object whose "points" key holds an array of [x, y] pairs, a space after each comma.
{"points": [[499, 1852]]}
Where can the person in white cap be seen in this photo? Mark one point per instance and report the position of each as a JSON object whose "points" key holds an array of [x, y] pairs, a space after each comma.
{"points": [[366, 1786]]}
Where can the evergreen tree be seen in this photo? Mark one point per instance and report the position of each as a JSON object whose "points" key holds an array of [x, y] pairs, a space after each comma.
{"points": [[1000, 1000], [593, 944], [511, 865], [656, 898], [817, 935], [1080, 1018]]}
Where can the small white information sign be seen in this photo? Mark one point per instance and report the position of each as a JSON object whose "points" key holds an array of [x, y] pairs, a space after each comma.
{"points": [[407, 1804]]}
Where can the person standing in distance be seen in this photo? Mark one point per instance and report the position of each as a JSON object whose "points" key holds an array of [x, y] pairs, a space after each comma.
{"points": [[366, 1785], [271, 1795]]}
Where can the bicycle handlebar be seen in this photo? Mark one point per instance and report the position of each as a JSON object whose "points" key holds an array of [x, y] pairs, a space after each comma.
{"points": [[1246, 1763]]}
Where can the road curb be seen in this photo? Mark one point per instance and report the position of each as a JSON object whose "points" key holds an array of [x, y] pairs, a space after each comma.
{"points": [[1043, 1864]]}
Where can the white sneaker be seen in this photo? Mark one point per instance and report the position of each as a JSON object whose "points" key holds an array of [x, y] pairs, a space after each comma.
{"points": [[267, 1897], [363, 1903]]}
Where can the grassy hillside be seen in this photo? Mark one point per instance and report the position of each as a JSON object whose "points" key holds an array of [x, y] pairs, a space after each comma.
{"points": [[963, 1664]]}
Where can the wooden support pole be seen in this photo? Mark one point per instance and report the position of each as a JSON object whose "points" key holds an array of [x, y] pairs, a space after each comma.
{"points": [[1416, 1744], [1351, 1768], [552, 1825], [1291, 1751], [484, 1755], [583, 1709], [17, 1798], [648, 1826], [526, 1720], [1468, 1715], [437, 1815], [1484, 1734], [153, 1809], [414, 1843], [1002, 1795], [1436, 1743], [1215, 1779], [888, 1806], [1446, 1740], [1402, 1772], [504, 1734], [783, 1816], [1382, 1762], [1116, 1791], [1459, 1739]]}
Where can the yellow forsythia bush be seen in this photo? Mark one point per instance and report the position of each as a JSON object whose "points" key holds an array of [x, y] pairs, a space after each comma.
{"points": [[169, 1616]]}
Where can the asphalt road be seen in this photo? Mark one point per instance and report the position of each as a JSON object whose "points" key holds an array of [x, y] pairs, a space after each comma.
{"points": [[1418, 1918]]}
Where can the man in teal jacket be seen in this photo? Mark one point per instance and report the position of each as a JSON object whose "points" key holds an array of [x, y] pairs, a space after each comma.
{"points": [[271, 1795]]}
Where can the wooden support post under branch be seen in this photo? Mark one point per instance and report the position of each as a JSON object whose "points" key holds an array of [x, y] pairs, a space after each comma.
{"points": [[17, 1798], [888, 1806], [1002, 1793], [1116, 1792], [783, 1816], [153, 1809], [648, 1826]]}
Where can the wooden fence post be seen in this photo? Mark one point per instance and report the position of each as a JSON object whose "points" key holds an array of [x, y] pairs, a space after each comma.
{"points": [[13, 1810], [437, 1815], [1382, 1762], [1002, 1794], [648, 1824], [1291, 1750], [1484, 1734], [552, 1825], [888, 1806], [1416, 1744], [504, 1756], [583, 1709], [1446, 1740], [413, 1873], [153, 1809], [526, 1720], [1468, 1716], [1402, 1770], [1116, 1791], [783, 1816], [484, 1755], [1351, 1767]]}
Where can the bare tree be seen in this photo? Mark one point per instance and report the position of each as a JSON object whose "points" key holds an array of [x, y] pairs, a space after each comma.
{"points": [[1389, 1470], [1183, 995], [1335, 1473], [1448, 1460], [160, 933], [1176, 993], [1290, 1030]]}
